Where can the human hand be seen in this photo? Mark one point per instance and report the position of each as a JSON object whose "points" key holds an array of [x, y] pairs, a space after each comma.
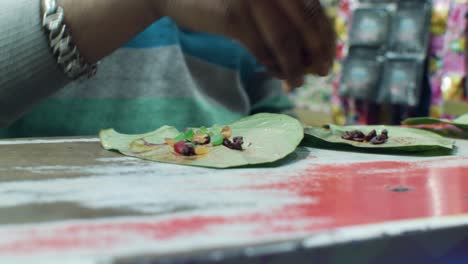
{"points": [[289, 37]]}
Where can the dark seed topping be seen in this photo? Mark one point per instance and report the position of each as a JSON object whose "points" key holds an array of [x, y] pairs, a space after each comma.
{"points": [[371, 135], [379, 140], [206, 141], [358, 134], [184, 149], [238, 140], [384, 133], [354, 135], [188, 150], [236, 144], [347, 135]]}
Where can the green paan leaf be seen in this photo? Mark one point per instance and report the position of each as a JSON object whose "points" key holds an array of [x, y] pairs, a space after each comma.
{"points": [[461, 122], [456, 128], [400, 138], [267, 138]]}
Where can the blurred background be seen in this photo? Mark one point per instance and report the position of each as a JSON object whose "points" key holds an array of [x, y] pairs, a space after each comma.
{"points": [[394, 60]]}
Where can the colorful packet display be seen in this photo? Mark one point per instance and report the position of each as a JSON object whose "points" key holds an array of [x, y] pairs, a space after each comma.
{"points": [[401, 81], [361, 74], [417, 28], [454, 53], [438, 29], [453, 86], [369, 27], [340, 110], [410, 27]]}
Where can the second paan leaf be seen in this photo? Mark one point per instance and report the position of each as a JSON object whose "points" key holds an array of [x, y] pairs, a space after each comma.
{"points": [[452, 128], [399, 138]]}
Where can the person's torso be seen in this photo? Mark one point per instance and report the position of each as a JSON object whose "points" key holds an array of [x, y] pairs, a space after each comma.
{"points": [[164, 76]]}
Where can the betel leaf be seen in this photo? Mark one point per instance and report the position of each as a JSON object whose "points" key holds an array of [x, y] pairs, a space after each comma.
{"points": [[400, 138], [451, 128], [461, 122], [267, 138]]}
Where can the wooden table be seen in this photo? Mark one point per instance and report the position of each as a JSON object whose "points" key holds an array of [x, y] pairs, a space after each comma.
{"points": [[69, 201]]}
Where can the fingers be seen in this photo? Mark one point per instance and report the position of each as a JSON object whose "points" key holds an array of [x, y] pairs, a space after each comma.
{"points": [[287, 36], [211, 16], [296, 82], [280, 36], [249, 35], [318, 34]]}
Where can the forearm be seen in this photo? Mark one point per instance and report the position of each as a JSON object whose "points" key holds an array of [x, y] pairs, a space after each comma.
{"points": [[99, 27], [28, 71]]}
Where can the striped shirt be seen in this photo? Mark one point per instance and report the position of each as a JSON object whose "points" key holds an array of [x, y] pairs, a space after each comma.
{"points": [[164, 76]]}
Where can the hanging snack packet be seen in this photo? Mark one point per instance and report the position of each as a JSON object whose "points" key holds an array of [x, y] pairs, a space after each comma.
{"points": [[369, 27], [401, 81], [439, 22], [361, 74], [455, 53], [410, 27]]}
